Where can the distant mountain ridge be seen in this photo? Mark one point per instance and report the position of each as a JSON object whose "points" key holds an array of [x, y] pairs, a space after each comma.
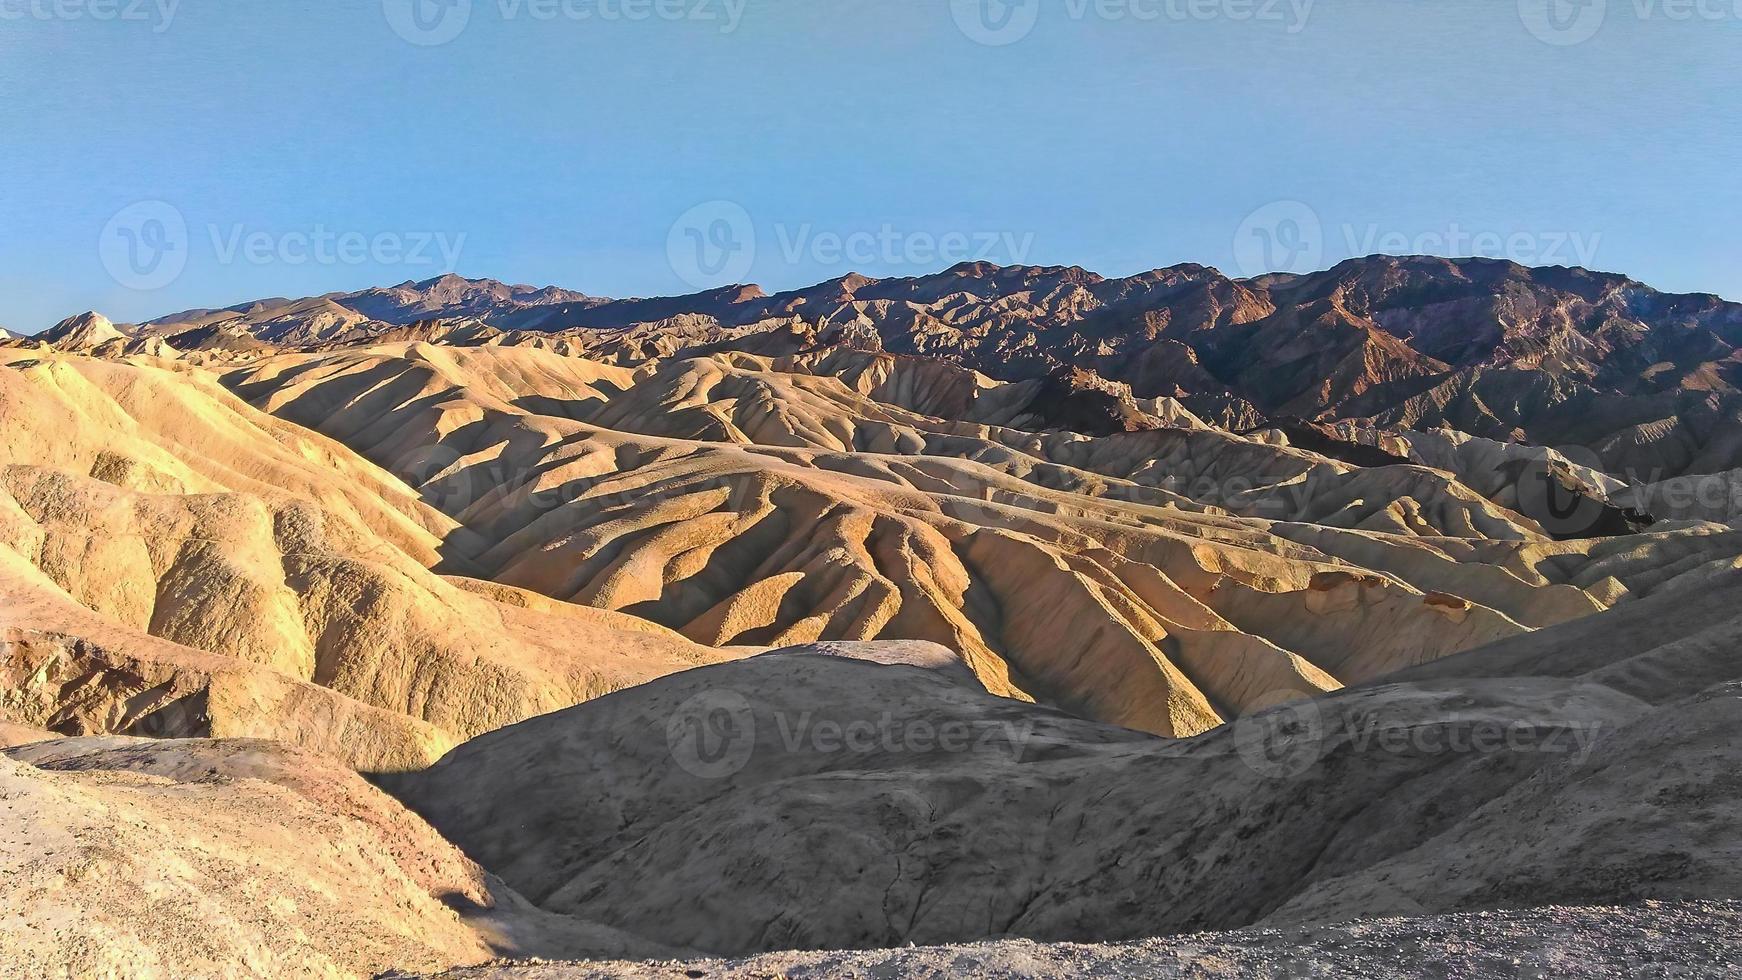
{"points": [[1646, 381]]}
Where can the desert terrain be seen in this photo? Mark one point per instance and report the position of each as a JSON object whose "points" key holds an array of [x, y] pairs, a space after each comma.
{"points": [[1174, 625]]}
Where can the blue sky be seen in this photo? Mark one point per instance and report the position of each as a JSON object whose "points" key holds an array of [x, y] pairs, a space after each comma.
{"points": [[636, 147]]}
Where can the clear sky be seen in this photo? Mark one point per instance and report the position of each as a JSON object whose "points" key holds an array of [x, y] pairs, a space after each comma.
{"points": [[163, 154]]}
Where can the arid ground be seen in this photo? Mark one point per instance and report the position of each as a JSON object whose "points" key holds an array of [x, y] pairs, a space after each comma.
{"points": [[1003, 622]]}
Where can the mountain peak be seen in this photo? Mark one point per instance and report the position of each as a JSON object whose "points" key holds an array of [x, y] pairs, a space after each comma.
{"points": [[737, 293], [974, 270], [453, 280], [85, 331]]}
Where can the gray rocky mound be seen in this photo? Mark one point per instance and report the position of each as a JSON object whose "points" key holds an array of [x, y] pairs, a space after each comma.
{"points": [[795, 801]]}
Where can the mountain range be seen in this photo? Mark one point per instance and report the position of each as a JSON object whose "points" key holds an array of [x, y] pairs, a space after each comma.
{"points": [[1640, 382], [410, 628]]}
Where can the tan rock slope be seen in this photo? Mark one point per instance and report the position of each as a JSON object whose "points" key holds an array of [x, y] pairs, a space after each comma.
{"points": [[127, 857], [1159, 579], [173, 562], [812, 799]]}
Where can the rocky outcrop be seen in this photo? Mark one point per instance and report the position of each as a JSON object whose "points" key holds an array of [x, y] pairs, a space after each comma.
{"points": [[1103, 609], [808, 799], [746, 500], [229, 858], [87, 333], [1645, 381], [175, 563]]}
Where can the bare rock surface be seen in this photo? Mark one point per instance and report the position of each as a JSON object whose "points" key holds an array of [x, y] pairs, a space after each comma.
{"points": [[12, 735], [451, 527], [1646, 380], [185, 858], [1006, 603], [1158, 580], [1651, 940], [792, 800], [176, 563]]}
